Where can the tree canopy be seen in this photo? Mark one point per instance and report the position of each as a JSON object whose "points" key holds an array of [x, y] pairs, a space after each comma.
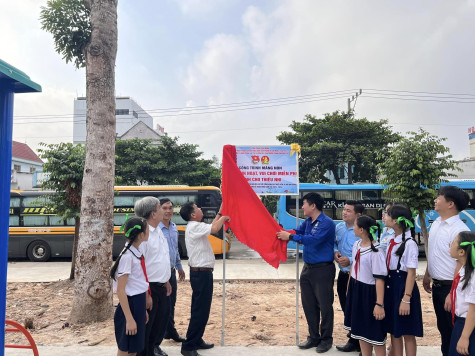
{"points": [[339, 140], [140, 162], [64, 164], [69, 23], [413, 170]]}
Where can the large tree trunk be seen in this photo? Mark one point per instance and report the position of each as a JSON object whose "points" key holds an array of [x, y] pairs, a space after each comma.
{"points": [[425, 233], [350, 174], [93, 293], [75, 248], [335, 174]]}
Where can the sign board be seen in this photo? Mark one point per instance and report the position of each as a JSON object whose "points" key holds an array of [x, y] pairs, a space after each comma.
{"points": [[269, 170]]}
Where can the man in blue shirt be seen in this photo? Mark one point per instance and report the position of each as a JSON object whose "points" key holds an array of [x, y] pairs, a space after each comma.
{"points": [[170, 231], [317, 234], [344, 241]]}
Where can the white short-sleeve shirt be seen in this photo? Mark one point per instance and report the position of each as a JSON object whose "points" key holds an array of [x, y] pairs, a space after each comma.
{"points": [[410, 256], [371, 266], [157, 256], [200, 253], [442, 232], [130, 264], [466, 296]]}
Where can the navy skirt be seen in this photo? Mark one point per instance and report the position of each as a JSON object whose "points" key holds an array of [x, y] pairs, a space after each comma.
{"points": [[456, 333], [399, 325], [131, 343], [359, 319]]}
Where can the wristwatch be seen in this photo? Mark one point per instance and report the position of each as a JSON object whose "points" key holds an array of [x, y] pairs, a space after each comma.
{"points": [[291, 237]]}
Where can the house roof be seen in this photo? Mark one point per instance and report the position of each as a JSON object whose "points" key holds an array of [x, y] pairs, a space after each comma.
{"points": [[23, 151], [140, 126]]}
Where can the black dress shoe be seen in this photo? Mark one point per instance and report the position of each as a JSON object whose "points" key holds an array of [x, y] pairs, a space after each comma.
{"points": [[175, 337], [324, 346], [308, 344], [348, 347], [190, 353], [157, 351], [205, 346]]}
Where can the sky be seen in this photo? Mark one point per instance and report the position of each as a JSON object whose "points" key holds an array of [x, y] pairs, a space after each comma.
{"points": [[205, 53]]}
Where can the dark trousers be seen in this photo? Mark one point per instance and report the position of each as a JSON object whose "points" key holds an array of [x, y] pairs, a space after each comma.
{"points": [[202, 287], [171, 331], [341, 287], [157, 318], [444, 318], [317, 299]]}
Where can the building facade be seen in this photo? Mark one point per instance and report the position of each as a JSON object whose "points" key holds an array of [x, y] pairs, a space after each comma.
{"points": [[128, 115], [25, 166]]}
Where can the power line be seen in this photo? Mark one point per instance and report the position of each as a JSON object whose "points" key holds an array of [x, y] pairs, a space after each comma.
{"points": [[290, 99]]}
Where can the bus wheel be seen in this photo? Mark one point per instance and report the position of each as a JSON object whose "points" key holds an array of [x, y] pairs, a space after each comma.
{"points": [[39, 251]]}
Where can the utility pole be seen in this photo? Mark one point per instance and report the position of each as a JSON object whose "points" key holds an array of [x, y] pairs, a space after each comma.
{"points": [[353, 98]]}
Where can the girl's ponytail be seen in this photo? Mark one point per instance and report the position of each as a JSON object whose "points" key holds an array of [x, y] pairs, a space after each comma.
{"points": [[467, 242], [132, 227], [371, 227], [403, 217]]}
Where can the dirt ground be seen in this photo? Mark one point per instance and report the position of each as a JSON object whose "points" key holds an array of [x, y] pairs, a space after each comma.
{"points": [[257, 313]]}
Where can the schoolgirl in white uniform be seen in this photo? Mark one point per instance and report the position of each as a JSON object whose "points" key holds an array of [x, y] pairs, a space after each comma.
{"points": [[131, 285], [402, 298], [364, 309], [462, 295]]}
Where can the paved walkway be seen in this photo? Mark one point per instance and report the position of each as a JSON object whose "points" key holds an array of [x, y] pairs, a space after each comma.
{"points": [[254, 269], [251, 269], [227, 350]]}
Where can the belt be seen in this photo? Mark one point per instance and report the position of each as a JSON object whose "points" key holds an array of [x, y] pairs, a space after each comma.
{"points": [[201, 269], [159, 284], [440, 283], [316, 265], [345, 272]]}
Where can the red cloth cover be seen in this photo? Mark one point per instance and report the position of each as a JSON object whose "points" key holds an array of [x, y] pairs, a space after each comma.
{"points": [[250, 221]]}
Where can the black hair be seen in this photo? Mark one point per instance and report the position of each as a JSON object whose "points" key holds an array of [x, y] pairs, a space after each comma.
{"points": [[186, 210], [467, 236], [396, 211], [129, 224], [359, 208], [365, 222], [314, 198], [456, 195], [165, 200]]}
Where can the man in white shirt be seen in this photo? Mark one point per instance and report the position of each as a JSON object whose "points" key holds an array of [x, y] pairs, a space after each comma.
{"points": [[441, 268], [201, 262], [157, 263]]}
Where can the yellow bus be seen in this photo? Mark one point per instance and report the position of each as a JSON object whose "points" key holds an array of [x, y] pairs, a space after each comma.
{"points": [[39, 234]]}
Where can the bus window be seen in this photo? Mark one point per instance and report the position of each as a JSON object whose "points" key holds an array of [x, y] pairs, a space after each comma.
{"points": [[14, 202], [374, 213], [71, 222], [56, 220], [34, 202], [124, 201], [119, 219], [471, 203], [369, 195], [347, 195], [35, 220], [14, 220]]}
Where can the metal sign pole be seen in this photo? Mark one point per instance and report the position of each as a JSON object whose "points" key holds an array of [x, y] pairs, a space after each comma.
{"points": [[297, 257], [224, 288]]}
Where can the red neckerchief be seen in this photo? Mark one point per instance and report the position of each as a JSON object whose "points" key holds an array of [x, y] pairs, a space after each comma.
{"points": [[357, 263], [392, 243], [144, 269], [453, 294]]}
